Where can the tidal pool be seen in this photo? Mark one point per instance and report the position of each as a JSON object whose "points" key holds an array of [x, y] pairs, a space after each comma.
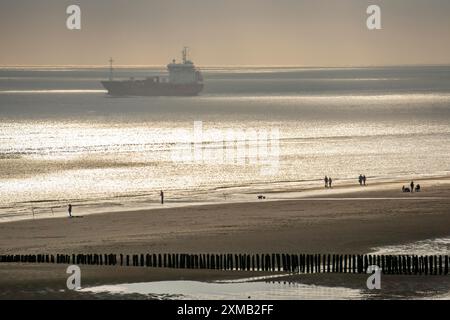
{"points": [[243, 290]]}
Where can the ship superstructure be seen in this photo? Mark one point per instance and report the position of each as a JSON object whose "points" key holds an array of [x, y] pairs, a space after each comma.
{"points": [[184, 80]]}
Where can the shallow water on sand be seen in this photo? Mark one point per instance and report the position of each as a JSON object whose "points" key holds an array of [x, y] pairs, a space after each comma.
{"points": [[438, 246], [195, 290], [266, 290]]}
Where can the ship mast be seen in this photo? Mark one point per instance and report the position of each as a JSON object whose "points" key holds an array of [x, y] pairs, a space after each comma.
{"points": [[111, 69], [184, 53]]}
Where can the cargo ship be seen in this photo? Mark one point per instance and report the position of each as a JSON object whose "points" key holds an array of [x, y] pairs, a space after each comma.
{"points": [[184, 79]]}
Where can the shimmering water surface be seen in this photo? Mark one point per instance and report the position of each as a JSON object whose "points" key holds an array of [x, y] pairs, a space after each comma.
{"points": [[62, 139], [267, 290], [196, 290]]}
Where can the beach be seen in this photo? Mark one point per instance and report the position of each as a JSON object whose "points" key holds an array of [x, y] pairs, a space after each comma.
{"points": [[342, 221], [64, 141], [211, 150]]}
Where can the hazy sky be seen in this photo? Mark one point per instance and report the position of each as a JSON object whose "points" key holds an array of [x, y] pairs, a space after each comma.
{"points": [[225, 32]]}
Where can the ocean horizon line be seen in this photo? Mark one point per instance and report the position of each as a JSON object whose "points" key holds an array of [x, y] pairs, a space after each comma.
{"points": [[229, 66]]}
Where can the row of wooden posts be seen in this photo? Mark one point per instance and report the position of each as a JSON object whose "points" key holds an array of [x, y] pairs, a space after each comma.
{"points": [[294, 263]]}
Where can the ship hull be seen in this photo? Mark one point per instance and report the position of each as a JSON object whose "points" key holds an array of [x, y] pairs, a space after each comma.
{"points": [[151, 89]]}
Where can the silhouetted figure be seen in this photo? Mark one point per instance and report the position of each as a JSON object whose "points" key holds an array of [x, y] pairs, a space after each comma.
{"points": [[330, 181], [162, 197], [412, 186], [69, 209], [403, 189], [360, 179], [418, 188], [326, 181], [364, 179]]}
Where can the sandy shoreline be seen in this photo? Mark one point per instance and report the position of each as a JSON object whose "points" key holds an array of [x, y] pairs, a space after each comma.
{"points": [[351, 220], [332, 220], [294, 190]]}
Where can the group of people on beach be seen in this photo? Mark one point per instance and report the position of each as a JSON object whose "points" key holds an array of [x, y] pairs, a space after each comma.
{"points": [[328, 181], [412, 189], [362, 180]]}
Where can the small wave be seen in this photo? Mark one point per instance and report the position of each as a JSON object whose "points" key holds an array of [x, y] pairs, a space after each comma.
{"points": [[51, 91], [437, 246], [441, 96]]}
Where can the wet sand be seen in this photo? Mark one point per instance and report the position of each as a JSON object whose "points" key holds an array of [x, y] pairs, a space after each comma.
{"points": [[49, 282], [353, 220]]}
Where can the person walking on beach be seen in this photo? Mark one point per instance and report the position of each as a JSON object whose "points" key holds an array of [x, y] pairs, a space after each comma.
{"points": [[330, 181], [69, 209], [162, 197], [326, 181], [412, 186], [364, 179], [360, 179]]}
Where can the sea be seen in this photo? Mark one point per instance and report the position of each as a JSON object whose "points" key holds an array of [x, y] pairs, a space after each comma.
{"points": [[252, 130]]}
